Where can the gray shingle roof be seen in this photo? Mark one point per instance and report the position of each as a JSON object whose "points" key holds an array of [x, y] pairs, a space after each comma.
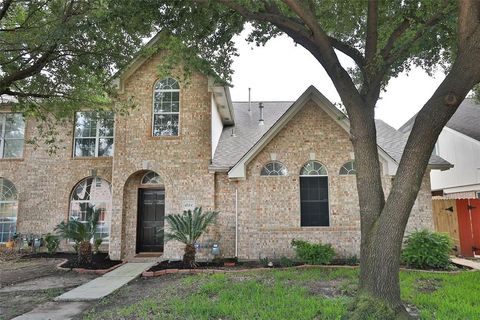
{"points": [[247, 132], [393, 142], [466, 120]]}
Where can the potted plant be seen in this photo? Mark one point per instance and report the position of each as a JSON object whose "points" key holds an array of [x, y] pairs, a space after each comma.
{"points": [[187, 229]]}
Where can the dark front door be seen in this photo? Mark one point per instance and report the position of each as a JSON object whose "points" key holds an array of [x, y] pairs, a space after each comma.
{"points": [[151, 214]]}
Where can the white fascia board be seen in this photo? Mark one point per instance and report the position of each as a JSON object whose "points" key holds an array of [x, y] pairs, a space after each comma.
{"points": [[221, 94]]}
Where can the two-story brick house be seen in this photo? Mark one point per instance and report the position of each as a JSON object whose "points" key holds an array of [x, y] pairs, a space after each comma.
{"points": [[277, 172]]}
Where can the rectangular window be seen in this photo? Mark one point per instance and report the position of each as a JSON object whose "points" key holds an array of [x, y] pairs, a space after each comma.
{"points": [[12, 132], [314, 201], [94, 134]]}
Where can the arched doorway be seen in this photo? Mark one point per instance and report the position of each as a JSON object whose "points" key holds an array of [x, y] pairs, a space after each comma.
{"points": [[151, 213]]}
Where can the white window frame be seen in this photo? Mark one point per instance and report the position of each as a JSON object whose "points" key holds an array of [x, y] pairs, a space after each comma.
{"points": [[3, 120], [97, 137], [328, 188], [14, 202], [106, 201], [166, 113]]}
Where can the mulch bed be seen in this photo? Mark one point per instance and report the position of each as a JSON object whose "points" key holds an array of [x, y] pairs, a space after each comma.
{"points": [[100, 261], [166, 265]]}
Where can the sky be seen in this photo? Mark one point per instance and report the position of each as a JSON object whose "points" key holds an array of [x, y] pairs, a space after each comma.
{"points": [[281, 71]]}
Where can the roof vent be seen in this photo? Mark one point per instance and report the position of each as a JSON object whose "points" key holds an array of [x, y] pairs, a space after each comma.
{"points": [[261, 121], [233, 133], [249, 102]]}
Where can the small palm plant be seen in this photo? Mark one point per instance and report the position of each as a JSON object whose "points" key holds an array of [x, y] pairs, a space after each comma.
{"points": [[187, 229], [81, 233]]}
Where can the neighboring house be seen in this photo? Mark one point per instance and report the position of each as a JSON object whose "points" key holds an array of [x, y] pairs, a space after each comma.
{"points": [[459, 144], [285, 171]]}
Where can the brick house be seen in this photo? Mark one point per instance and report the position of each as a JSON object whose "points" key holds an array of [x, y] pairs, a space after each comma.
{"points": [[275, 171]]}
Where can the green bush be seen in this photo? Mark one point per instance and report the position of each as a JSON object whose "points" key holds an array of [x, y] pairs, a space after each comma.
{"points": [[424, 249], [313, 253], [51, 242], [285, 262]]}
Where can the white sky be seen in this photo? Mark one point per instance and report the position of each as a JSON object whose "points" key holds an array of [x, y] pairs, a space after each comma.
{"points": [[282, 71]]}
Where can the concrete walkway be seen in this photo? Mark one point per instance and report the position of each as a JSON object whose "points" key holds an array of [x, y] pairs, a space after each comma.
{"points": [[55, 311], [467, 263], [106, 284]]}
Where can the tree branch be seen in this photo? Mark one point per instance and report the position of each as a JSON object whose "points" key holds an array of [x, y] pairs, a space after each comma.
{"points": [[372, 31], [6, 5], [29, 71], [349, 51]]}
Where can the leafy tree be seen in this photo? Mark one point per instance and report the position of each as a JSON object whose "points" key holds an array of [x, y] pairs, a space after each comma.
{"points": [[81, 233], [58, 51], [382, 38], [187, 228]]}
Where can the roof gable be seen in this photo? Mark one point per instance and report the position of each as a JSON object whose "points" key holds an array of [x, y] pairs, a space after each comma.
{"points": [[238, 171], [465, 120]]}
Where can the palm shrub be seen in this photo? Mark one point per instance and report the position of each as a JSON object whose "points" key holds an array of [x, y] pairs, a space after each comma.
{"points": [[187, 229], [81, 233]]}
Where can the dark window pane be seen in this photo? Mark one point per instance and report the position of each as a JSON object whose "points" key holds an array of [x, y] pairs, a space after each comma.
{"points": [[84, 147], [105, 147], [165, 125], [314, 201], [13, 148]]}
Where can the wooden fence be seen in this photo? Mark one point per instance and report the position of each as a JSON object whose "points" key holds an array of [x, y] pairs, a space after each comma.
{"points": [[460, 218]]}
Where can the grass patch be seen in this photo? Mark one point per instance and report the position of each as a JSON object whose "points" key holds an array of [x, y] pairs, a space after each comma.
{"points": [[284, 294], [442, 295]]}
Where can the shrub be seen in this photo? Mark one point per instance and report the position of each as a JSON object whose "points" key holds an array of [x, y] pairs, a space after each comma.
{"points": [[427, 250], [313, 253], [285, 262], [51, 242], [96, 245]]}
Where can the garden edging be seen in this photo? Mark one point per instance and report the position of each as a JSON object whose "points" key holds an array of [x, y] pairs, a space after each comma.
{"points": [[150, 274], [88, 271]]}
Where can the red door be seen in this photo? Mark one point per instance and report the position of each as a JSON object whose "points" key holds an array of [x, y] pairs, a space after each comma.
{"points": [[469, 226]]}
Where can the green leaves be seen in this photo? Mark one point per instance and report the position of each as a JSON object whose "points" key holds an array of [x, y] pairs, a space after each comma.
{"points": [[189, 226], [313, 253], [427, 250], [79, 231]]}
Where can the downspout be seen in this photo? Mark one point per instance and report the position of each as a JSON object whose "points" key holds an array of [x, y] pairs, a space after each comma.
{"points": [[236, 222]]}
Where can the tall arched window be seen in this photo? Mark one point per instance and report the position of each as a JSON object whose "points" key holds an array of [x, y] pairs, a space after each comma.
{"points": [[348, 168], [166, 107], [274, 168], [8, 210], [89, 195], [314, 195]]}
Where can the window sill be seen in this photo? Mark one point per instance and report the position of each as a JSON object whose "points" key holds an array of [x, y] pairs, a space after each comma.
{"points": [[12, 159], [91, 158], [164, 137]]}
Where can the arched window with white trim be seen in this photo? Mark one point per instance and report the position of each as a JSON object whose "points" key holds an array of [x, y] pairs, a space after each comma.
{"points": [[151, 177], [166, 108], [348, 168], [8, 210], [89, 195], [274, 168], [314, 210]]}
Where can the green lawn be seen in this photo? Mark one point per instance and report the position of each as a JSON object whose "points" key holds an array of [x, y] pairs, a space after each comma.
{"points": [[292, 294]]}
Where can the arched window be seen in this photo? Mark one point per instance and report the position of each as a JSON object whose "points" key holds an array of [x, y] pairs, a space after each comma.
{"points": [[274, 168], [348, 169], [151, 178], [89, 195], [166, 107], [314, 195], [8, 210]]}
